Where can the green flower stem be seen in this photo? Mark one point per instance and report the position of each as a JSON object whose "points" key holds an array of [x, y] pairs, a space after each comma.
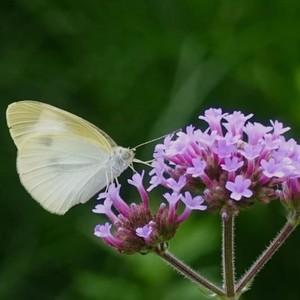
{"points": [[228, 256], [285, 232], [189, 273]]}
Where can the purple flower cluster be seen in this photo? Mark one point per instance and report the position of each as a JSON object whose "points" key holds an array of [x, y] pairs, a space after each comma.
{"points": [[222, 168], [230, 163], [136, 229]]}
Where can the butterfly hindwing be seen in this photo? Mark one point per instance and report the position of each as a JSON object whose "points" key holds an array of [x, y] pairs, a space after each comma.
{"points": [[60, 171]]}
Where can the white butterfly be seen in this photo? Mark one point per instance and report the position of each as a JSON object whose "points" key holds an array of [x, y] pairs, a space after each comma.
{"points": [[62, 159]]}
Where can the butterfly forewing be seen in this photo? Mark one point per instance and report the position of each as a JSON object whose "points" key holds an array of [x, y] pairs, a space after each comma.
{"points": [[30, 118]]}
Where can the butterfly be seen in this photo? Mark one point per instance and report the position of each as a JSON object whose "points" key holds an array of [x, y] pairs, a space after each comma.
{"points": [[62, 159]]}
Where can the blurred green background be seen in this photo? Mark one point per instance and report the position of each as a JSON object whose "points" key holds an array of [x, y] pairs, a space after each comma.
{"points": [[138, 70]]}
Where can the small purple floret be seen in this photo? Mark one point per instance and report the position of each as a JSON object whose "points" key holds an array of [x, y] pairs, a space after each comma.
{"points": [[239, 188]]}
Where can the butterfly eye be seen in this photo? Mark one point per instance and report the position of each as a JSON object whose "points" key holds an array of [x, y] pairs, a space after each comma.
{"points": [[127, 154]]}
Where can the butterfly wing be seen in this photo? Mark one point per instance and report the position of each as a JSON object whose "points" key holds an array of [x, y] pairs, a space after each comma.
{"points": [[62, 159], [29, 118]]}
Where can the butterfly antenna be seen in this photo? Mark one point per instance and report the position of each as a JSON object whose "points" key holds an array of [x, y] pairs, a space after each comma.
{"points": [[154, 140]]}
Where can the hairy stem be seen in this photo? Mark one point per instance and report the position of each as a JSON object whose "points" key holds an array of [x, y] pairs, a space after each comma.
{"points": [[285, 232], [189, 273], [228, 256]]}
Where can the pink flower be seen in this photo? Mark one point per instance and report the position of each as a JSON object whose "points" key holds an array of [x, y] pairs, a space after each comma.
{"points": [[135, 228]]}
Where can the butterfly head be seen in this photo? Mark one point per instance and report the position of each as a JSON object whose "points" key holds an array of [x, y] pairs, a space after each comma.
{"points": [[122, 158]]}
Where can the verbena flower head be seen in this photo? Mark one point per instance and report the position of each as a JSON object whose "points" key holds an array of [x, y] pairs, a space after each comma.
{"points": [[133, 228], [230, 163]]}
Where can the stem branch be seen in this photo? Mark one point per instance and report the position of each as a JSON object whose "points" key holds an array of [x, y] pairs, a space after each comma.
{"points": [[285, 232], [189, 273]]}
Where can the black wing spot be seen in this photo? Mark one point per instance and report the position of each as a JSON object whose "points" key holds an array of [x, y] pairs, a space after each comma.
{"points": [[47, 141]]}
